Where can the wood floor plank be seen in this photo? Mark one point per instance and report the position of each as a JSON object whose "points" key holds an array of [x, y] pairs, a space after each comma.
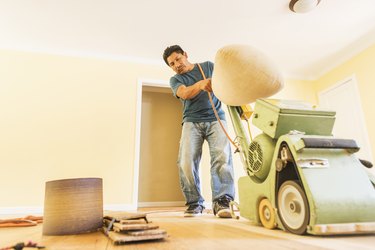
{"points": [[205, 232]]}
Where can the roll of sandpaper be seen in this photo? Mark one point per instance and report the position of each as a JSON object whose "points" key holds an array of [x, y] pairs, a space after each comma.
{"points": [[73, 206]]}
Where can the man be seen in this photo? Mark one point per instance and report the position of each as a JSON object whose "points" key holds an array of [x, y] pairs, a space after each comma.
{"points": [[199, 124]]}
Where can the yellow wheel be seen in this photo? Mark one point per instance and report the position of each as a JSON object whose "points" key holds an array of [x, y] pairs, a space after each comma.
{"points": [[267, 214]]}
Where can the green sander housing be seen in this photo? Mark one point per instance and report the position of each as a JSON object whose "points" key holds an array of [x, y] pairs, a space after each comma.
{"points": [[301, 178]]}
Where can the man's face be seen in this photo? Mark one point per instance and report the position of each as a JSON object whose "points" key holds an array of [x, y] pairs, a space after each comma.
{"points": [[178, 62]]}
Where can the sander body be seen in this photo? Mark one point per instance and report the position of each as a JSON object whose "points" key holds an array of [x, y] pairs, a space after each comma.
{"points": [[300, 178]]}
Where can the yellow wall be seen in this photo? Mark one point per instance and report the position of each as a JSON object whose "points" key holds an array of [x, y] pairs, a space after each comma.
{"points": [[297, 90], [362, 66], [66, 117]]}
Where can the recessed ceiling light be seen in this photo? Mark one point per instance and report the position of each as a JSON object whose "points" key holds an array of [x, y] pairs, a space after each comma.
{"points": [[302, 6]]}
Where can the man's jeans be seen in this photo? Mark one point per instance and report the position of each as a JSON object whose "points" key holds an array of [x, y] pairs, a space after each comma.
{"points": [[192, 138]]}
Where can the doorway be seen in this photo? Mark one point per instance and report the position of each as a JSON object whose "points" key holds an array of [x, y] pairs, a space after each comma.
{"points": [[160, 130]]}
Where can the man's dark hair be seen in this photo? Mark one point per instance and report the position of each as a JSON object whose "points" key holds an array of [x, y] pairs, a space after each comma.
{"points": [[169, 50]]}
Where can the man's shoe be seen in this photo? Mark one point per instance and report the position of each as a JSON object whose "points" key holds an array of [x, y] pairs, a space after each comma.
{"points": [[221, 207], [194, 210]]}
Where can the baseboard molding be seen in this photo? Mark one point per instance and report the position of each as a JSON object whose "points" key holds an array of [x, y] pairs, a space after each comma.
{"points": [[120, 207], [162, 204], [21, 210], [40, 210], [207, 205], [109, 207]]}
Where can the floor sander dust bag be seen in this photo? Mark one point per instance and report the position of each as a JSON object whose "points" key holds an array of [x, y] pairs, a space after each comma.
{"points": [[243, 74]]}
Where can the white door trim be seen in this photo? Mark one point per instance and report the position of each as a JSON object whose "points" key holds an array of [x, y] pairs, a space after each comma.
{"points": [[140, 84], [356, 95], [341, 82]]}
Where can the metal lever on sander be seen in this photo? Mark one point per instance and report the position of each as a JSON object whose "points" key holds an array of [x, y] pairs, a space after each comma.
{"points": [[233, 204], [365, 163]]}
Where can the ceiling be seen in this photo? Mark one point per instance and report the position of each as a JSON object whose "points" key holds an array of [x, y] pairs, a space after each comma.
{"points": [[304, 46]]}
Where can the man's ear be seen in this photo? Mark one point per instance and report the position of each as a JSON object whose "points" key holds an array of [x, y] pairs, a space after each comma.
{"points": [[185, 54]]}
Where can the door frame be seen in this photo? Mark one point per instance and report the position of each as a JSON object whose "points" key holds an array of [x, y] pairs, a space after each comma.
{"points": [[357, 98], [142, 82]]}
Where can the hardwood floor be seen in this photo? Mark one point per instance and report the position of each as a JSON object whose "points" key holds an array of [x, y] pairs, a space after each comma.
{"points": [[204, 232]]}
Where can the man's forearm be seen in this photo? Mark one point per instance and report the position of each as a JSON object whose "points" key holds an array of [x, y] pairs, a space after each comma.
{"points": [[189, 92], [193, 90]]}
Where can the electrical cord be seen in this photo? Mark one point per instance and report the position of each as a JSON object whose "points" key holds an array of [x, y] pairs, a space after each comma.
{"points": [[216, 114]]}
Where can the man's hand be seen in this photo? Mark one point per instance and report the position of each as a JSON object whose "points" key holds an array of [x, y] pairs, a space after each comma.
{"points": [[205, 85]]}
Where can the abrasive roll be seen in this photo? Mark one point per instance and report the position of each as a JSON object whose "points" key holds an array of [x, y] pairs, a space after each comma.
{"points": [[73, 206]]}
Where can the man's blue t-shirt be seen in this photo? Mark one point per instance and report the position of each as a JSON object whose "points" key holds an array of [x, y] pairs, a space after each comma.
{"points": [[197, 109]]}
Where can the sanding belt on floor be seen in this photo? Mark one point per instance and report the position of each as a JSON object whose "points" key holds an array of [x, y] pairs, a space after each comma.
{"points": [[27, 221]]}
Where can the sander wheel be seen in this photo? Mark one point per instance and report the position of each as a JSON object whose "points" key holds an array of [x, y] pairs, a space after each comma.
{"points": [[293, 207], [267, 214]]}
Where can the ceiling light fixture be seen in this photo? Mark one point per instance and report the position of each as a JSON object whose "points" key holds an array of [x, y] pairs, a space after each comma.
{"points": [[302, 6]]}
